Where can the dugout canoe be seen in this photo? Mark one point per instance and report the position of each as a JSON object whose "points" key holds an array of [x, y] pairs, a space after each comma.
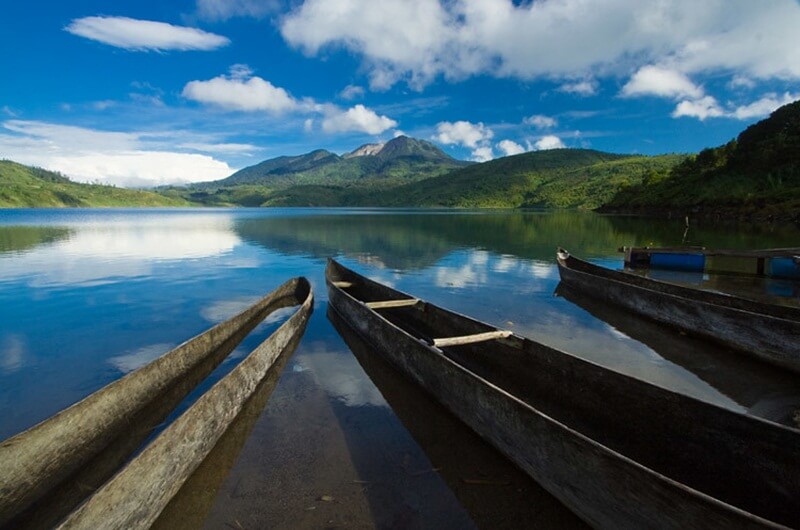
{"points": [[136, 495], [760, 389], [44, 457], [768, 332], [771, 263], [617, 451], [494, 492]]}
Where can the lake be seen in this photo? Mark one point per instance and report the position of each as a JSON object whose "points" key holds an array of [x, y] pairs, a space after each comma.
{"points": [[337, 438]]}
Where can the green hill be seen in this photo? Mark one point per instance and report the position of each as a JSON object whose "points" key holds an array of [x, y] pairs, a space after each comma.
{"points": [[30, 187], [757, 174], [400, 160], [559, 178]]}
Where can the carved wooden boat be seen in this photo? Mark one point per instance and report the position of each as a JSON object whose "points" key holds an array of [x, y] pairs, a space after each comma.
{"points": [[619, 452], [136, 495], [773, 263], [766, 331], [41, 459]]}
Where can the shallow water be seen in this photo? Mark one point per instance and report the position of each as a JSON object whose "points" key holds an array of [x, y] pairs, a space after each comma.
{"points": [[89, 295]]}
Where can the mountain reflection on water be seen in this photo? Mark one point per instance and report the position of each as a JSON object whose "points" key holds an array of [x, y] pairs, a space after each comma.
{"points": [[89, 295]]}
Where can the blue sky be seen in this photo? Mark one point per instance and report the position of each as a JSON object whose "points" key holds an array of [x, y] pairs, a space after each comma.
{"points": [[145, 92]]}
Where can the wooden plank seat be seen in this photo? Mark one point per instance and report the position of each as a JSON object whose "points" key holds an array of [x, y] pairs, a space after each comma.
{"points": [[471, 339], [343, 285], [385, 304]]}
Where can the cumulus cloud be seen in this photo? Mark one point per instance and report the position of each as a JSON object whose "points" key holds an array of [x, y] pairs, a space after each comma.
{"points": [[509, 147], [541, 121], [548, 142], [475, 136], [709, 107], [120, 158], [240, 90], [144, 35], [764, 106], [482, 154], [705, 107], [463, 133], [356, 119], [217, 10], [417, 40], [657, 81]]}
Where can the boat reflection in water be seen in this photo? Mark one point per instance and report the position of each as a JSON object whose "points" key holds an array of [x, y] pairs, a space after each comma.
{"points": [[190, 507], [495, 493], [760, 389]]}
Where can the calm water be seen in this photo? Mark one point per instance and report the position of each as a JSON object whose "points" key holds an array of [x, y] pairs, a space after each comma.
{"points": [[336, 438]]}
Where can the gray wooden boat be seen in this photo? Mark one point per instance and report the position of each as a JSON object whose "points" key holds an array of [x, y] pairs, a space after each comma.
{"points": [[137, 494], [43, 458], [766, 331], [619, 452]]}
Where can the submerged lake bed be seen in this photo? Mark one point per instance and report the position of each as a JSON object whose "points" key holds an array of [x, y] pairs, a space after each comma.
{"points": [[337, 438]]}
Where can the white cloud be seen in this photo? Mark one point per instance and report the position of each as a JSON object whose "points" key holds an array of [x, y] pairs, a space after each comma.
{"points": [[463, 133], [585, 88], [764, 106], [144, 35], [121, 158], [658, 81], [549, 142], [509, 147], [356, 119], [240, 91], [705, 107], [482, 154], [541, 121], [216, 10], [351, 92], [417, 40], [475, 136]]}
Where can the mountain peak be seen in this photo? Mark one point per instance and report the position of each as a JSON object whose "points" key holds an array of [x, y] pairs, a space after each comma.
{"points": [[365, 150]]}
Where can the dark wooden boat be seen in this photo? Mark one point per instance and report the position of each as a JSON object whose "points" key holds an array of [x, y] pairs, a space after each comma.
{"points": [[137, 494], [41, 460], [496, 493], [619, 452], [761, 389], [773, 263], [766, 331]]}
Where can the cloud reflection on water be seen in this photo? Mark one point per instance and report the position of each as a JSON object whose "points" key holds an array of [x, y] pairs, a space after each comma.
{"points": [[95, 253], [13, 353], [340, 375]]}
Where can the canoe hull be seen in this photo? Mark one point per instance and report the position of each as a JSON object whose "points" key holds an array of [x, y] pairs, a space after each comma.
{"points": [[746, 328], [136, 495], [602, 487]]}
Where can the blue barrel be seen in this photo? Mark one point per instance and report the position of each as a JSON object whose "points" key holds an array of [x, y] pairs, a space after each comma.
{"points": [[678, 262], [783, 268]]}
